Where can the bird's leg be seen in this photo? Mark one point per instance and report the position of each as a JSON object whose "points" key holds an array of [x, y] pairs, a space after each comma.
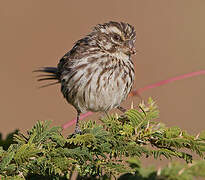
{"points": [[106, 113], [122, 109], [77, 128]]}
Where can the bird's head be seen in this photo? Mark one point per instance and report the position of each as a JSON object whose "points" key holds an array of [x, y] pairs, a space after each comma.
{"points": [[115, 37]]}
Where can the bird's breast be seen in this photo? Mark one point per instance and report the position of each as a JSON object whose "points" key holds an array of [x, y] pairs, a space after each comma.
{"points": [[100, 85]]}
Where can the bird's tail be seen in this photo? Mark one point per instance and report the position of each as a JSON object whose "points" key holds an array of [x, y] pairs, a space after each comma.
{"points": [[50, 73]]}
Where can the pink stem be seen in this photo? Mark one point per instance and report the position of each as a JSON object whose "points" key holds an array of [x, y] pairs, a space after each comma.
{"points": [[160, 83], [137, 92]]}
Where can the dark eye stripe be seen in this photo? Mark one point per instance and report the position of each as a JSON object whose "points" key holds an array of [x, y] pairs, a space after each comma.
{"points": [[117, 37]]}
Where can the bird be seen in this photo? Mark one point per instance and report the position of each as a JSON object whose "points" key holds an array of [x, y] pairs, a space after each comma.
{"points": [[97, 74]]}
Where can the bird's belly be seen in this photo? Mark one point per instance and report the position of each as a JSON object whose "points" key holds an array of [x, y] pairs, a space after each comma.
{"points": [[102, 96], [106, 98], [100, 90]]}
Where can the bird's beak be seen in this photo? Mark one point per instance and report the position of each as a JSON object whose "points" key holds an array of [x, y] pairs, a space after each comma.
{"points": [[132, 49]]}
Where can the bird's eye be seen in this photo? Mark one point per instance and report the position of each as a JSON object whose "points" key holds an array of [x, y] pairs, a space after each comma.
{"points": [[117, 37]]}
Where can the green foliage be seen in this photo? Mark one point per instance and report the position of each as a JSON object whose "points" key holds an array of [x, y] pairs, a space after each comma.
{"points": [[104, 151]]}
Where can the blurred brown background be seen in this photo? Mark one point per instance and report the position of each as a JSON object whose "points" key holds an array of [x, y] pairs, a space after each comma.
{"points": [[35, 33]]}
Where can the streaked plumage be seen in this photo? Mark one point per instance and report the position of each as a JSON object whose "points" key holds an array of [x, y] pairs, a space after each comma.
{"points": [[97, 74]]}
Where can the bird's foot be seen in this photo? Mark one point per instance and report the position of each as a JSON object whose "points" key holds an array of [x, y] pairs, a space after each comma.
{"points": [[77, 130], [122, 109]]}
